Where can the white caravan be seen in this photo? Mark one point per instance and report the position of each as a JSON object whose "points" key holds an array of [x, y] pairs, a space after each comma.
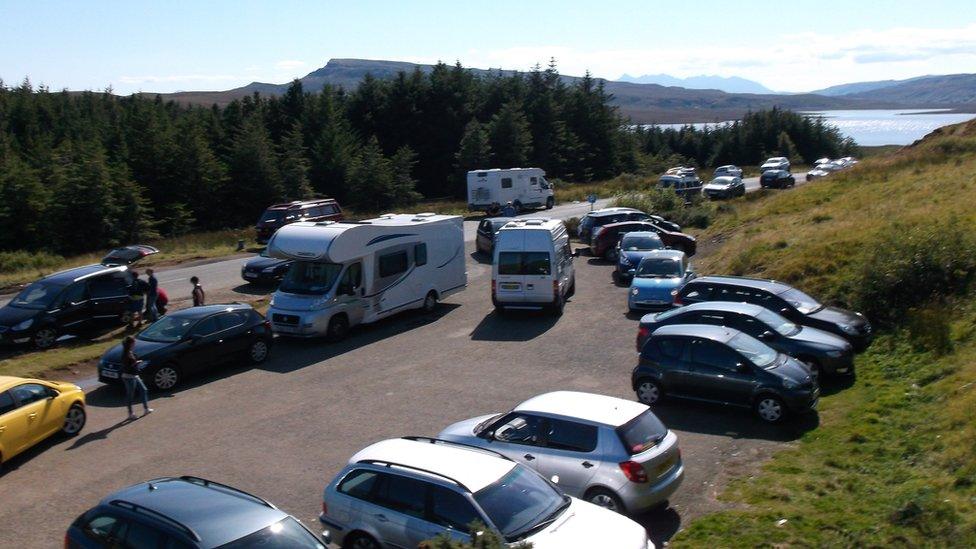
{"points": [[490, 190], [353, 272], [532, 266]]}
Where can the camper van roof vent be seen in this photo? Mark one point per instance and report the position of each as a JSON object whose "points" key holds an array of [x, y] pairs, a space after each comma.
{"points": [[324, 223], [426, 214]]}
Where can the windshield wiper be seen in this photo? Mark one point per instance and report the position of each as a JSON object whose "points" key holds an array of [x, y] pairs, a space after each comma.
{"points": [[551, 518]]}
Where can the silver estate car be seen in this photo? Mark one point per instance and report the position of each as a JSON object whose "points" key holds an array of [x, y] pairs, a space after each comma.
{"points": [[611, 452]]}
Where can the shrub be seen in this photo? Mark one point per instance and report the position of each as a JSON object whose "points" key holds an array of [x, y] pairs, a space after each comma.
{"points": [[572, 224], [667, 204], [18, 261]]}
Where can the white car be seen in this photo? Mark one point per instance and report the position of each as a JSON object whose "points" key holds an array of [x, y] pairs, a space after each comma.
{"points": [[776, 163], [400, 492], [729, 170]]}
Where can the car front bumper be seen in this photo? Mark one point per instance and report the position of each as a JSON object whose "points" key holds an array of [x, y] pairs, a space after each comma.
{"points": [[802, 401], [260, 277], [300, 323], [9, 336]]}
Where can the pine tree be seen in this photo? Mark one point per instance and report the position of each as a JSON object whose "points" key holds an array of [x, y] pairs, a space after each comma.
{"points": [[253, 171], [294, 165], [473, 153], [370, 179], [403, 190], [509, 137]]}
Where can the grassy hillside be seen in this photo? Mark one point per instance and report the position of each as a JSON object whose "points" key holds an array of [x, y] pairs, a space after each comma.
{"points": [[893, 461]]}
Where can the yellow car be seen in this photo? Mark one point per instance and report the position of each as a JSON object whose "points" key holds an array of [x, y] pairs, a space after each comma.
{"points": [[32, 410]]}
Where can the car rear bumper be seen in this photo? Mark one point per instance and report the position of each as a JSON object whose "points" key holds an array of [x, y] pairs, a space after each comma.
{"points": [[641, 497]]}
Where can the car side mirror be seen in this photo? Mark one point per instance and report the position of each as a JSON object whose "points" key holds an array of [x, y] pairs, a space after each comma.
{"points": [[741, 367], [195, 338], [784, 311], [766, 335]]}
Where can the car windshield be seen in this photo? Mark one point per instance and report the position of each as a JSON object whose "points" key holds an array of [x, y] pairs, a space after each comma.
{"points": [[637, 243], [310, 278], [777, 322], [519, 502], [285, 534], [756, 351], [168, 329], [38, 295], [803, 303], [659, 267], [272, 216], [642, 432]]}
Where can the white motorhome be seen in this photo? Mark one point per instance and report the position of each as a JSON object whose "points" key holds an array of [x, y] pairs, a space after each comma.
{"points": [[354, 272], [532, 266], [490, 190]]}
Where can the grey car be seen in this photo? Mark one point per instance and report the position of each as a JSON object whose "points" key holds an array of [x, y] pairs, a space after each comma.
{"points": [[611, 452]]}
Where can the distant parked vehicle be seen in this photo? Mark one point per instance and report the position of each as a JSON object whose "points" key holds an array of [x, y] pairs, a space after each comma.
{"points": [[532, 266], [684, 185], [725, 366], [775, 163], [193, 341], [725, 187], [783, 299], [490, 190], [264, 269], [586, 440], [72, 301], [657, 279], [779, 179], [822, 352], [606, 216], [484, 241], [32, 410], [820, 161], [279, 215], [847, 161], [604, 241], [729, 170], [400, 492], [187, 513], [632, 248]]}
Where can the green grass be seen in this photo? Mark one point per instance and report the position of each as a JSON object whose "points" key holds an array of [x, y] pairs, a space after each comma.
{"points": [[893, 460]]}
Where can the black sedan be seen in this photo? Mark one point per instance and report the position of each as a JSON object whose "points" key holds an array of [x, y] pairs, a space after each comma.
{"points": [[193, 341], [821, 351], [265, 269], [484, 242], [779, 179]]}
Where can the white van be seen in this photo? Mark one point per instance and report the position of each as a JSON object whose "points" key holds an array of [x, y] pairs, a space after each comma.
{"points": [[353, 272], [490, 190], [532, 266]]}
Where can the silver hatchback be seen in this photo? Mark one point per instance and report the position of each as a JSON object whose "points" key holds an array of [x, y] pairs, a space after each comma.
{"points": [[609, 451]]}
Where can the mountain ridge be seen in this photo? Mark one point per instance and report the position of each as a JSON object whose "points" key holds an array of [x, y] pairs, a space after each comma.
{"points": [[728, 84]]}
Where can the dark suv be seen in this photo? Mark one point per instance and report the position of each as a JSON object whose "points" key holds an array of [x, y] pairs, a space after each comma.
{"points": [[725, 366], [783, 299], [279, 215], [484, 241], [72, 301], [606, 216], [779, 179], [185, 513]]}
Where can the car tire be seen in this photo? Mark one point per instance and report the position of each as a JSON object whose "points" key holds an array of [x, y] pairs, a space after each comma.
{"points": [[430, 302], [572, 288], [557, 308], [601, 497], [258, 351], [74, 420], [45, 338], [550, 202], [338, 327], [770, 408], [125, 318], [164, 378], [360, 541], [649, 392]]}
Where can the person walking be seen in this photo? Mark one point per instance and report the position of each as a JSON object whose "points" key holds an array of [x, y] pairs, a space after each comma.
{"points": [[509, 210], [152, 295], [137, 296], [131, 379], [198, 296]]}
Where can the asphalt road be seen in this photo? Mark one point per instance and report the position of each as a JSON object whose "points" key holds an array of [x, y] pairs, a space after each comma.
{"points": [[283, 429]]}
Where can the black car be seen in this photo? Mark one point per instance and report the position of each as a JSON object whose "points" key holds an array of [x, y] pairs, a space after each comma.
{"points": [[265, 269], [72, 301], [783, 299], [779, 179], [191, 341], [722, 365], [183, 513], [484, 242], [606, 216], [822, 352]]}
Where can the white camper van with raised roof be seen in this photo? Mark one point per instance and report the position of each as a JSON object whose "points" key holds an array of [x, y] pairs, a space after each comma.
{"points": [[355, 272], [532, 266], [490, 190]]}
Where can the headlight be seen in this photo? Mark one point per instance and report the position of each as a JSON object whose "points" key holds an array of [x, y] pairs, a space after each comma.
{"points": [[268, 270], [634, 291], [624, 260], [848, 329], [24, 325], [835, 354], [789, 384]]}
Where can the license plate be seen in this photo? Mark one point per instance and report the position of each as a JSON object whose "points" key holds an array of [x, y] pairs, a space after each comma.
{"points": [[110, 373], [510, 286], [665, 467]]}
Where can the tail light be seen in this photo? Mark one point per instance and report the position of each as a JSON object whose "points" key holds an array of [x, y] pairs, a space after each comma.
{"points": [[634, 471], [325, 508], [642, 334], [555, 290], [677, 299], [493, 283]]}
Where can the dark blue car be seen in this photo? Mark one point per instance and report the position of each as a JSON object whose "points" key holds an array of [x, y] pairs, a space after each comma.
{"points": [[633, 248], [184, 513]]}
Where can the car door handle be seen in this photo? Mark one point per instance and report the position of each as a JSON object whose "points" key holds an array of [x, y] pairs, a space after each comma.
{"points": [[380, 517], [529, 457], [32, 415], [587, 464]]}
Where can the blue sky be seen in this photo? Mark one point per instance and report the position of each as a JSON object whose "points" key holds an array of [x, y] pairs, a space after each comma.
{"points": [[788, 46]]}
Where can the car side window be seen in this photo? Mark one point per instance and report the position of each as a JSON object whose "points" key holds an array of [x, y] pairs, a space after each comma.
{"points": [[420, 254], [751, 326], [520, 429], [76, 293], [231, 320], [107, 286], [712, 354], [135, 535], [506, 182], [451, 509], [100, 528], [402, 494], [6, 402], [352, 279], [716, 319], [359, 484], [392, 264], [572, 436], [30, 392], [696, 293], [671, 347], [206, 326]]}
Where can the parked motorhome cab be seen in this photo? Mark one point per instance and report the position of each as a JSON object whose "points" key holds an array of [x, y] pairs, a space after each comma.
{"points": [[532, 266], [355, 272], [490, 190]]}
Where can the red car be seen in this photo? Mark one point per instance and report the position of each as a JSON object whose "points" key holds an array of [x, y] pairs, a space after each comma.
{"points": [[606, 237]]}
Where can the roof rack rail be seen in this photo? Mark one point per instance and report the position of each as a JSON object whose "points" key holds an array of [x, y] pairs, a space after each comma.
{"points": [[235, 491], [136, 508], [434, 440], [391, 464]]}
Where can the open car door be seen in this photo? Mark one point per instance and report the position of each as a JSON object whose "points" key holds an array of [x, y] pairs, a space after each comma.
{"points": [[127, 255]]}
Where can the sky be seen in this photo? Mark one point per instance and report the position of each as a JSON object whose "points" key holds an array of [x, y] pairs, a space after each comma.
{"points": [[789, 46]]}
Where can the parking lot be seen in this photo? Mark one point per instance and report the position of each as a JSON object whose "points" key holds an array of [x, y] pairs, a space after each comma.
{"points": [[282, 430]]}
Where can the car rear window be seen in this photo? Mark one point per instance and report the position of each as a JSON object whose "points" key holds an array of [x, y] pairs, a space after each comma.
{"points": [[524, 263], [642, 432]]}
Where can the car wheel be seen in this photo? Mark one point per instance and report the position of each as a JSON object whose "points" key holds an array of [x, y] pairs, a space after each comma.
{"points": [[361, 541], [259, 351], [572, 288], [558, 306], [606, 499], [815, 369], [45, 338], [518, 207], [649, 392], [550, 202], [125, 318], [338, 327], [164, 377], [74, 420], [770, 409], [430, 302]]}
